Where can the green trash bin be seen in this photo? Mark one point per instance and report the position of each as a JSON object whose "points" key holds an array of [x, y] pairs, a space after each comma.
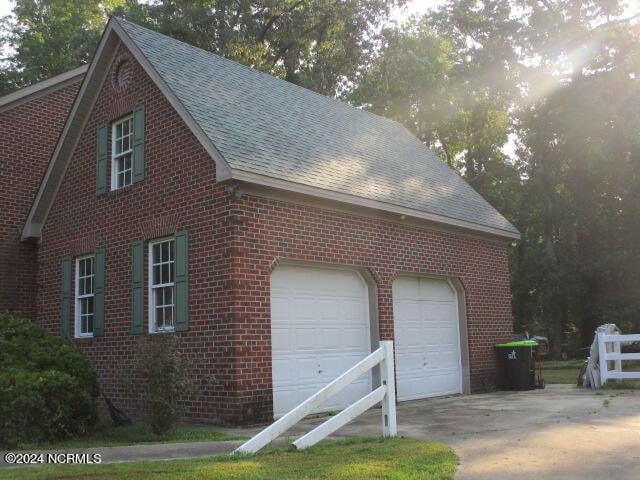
{"points": [[516, 365]]}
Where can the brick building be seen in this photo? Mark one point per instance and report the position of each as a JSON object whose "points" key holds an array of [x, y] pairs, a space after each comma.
{"points": [[30, 123], [281, 234]]}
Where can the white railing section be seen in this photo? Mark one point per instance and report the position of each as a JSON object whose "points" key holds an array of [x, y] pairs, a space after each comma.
{"points": [[609, 351], [386, 394]]}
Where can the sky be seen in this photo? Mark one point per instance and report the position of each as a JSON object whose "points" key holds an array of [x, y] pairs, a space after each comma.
{"points": [[5, 7]]}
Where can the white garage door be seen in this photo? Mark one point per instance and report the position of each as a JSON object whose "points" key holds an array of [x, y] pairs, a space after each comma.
{"points": [[319, 329], [427, 340]]}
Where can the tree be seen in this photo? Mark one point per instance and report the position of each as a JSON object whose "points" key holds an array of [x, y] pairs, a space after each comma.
{"points": [[314, 43], [575, 266], [450, 77], [49, 37]]}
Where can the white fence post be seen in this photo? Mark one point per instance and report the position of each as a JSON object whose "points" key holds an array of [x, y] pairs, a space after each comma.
{"points": [[617, 362], [387, 377], [386, 394], [602, 353]]}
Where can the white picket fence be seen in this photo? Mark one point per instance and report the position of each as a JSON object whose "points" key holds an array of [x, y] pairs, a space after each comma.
{"points": [[609, 353], [385, 393]]}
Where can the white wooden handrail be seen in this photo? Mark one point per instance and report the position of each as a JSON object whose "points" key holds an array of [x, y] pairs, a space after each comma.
{"points": [[609, 350], [386, 394]]}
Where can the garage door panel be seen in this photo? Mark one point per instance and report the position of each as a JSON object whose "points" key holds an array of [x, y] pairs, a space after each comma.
{"points": [[303, 338], [427, 338], [437, 311], [435, 290], [342, 340], [406, 289], [280, 340], [320, 328]]}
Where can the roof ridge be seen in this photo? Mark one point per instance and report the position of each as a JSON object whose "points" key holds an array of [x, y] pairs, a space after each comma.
{"points": [[271, 77]]}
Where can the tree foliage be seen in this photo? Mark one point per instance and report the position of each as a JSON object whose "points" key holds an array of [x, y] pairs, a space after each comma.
{"points": [[579, 259], [315, 43]]}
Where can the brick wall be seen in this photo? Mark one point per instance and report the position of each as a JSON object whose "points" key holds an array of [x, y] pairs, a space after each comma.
{"points": [[178, 193], [233, 245], [28, 135], [267, 231]]}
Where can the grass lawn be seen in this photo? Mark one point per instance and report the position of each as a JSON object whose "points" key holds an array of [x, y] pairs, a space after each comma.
{"points": [[353, 459], [107, 435], [566, 371], [561, 371]]}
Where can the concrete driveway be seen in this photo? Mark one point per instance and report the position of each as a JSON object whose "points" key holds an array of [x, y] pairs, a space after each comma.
{"points": [[561, 432]]}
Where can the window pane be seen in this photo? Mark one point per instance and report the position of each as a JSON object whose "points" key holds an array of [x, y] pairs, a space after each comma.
{"points": [[164, 277], [168, 316], [159, 296], [156, 253], [164, 256], [159, 317], [90, 324], [156, 275], [169, 296]]}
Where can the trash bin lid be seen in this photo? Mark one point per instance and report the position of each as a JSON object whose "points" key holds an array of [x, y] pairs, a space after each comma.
{"points": [[521, 343]]}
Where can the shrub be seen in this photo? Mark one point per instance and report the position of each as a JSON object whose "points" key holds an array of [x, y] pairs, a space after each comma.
{"points": [[48, 388], [163, 373]]}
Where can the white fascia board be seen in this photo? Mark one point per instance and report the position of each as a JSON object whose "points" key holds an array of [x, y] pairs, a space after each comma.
{"points": [[67, 143], [279, 184], [41, 88]]}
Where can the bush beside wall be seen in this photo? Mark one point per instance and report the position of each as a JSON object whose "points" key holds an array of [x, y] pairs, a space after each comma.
{"points": [[48, 388]]}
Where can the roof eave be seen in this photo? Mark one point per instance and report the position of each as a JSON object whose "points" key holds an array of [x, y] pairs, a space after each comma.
{"points": [[39, 89], [250, 177], [74, 124]]}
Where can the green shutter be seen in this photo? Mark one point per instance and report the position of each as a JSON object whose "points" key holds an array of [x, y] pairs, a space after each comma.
{"points": [[181, 320], [138, 143], [98, 293], [137, 287], [65, 304], [101, 164]]}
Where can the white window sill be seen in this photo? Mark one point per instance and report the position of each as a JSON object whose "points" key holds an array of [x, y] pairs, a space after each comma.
{"points": [[163, 330]]}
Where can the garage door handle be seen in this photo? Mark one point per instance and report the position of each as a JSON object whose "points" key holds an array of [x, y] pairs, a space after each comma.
{"points": [[319, 371]]}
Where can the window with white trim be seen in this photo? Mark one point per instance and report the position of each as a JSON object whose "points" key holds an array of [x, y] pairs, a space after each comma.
{"points": [[122, 153], [161, 285], [85, 275]]}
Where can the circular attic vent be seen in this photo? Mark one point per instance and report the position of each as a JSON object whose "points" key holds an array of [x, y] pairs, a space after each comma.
{"points": [[123, 75]]}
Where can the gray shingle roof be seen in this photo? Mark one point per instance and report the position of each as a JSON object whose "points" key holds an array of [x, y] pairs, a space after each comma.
{"points": [[265, 125]]}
